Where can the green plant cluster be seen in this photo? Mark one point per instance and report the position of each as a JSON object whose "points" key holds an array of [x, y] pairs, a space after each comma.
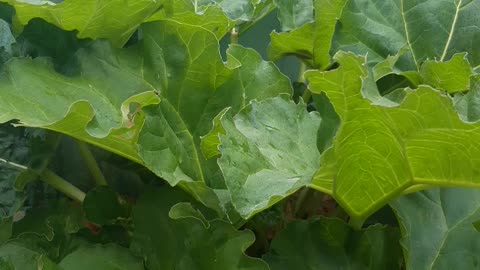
{"points": [[239, 134]]}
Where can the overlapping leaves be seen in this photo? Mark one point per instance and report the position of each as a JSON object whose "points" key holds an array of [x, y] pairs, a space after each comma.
{"points": [[195, 86], [428, 29], [154, 101], [92, 19], [379, 151]]}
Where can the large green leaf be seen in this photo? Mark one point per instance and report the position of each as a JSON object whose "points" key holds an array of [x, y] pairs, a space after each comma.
{"points": [[313, 40], [383, 148], [83, 105], [195, 86], [268, 152], [108, 257], [437, 229], [181, 238], [325, 244], [113, 20], [431, 29]]}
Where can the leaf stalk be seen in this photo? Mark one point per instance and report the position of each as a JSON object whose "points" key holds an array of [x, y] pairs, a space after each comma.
{"points": [[91, 164]]}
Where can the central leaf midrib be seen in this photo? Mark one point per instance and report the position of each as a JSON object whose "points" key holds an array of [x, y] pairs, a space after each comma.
{"points": [[452, 30], [407, 35], [191, 139]]}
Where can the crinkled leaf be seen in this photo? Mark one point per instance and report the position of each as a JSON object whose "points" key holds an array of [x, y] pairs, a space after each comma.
{"points": [[379, 151], [196, 85], [313, 40], [451, 76], [431, 29], [437, 229], [268, 152], [84, 105], [331, 244], [294, 13], [389, 78], [113, 20], [108, 257], [185, 241]]}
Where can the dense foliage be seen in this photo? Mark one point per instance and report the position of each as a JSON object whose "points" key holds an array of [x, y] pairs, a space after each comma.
{"points": [[239, 134]]}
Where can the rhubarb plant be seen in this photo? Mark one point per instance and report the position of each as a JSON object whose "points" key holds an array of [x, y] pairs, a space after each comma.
{"points": [[246, 134]]}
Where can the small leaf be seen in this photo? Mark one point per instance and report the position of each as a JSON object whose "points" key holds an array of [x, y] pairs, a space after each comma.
{"points": [[313, 40], [451, 76]]}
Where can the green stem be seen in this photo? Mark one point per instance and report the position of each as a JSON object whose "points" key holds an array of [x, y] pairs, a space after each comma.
{"points": [[306, 94], [62, 185], [13, 164], [92, 164], [301, 72], [356, 223], [234, 36], [54, 180]]}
